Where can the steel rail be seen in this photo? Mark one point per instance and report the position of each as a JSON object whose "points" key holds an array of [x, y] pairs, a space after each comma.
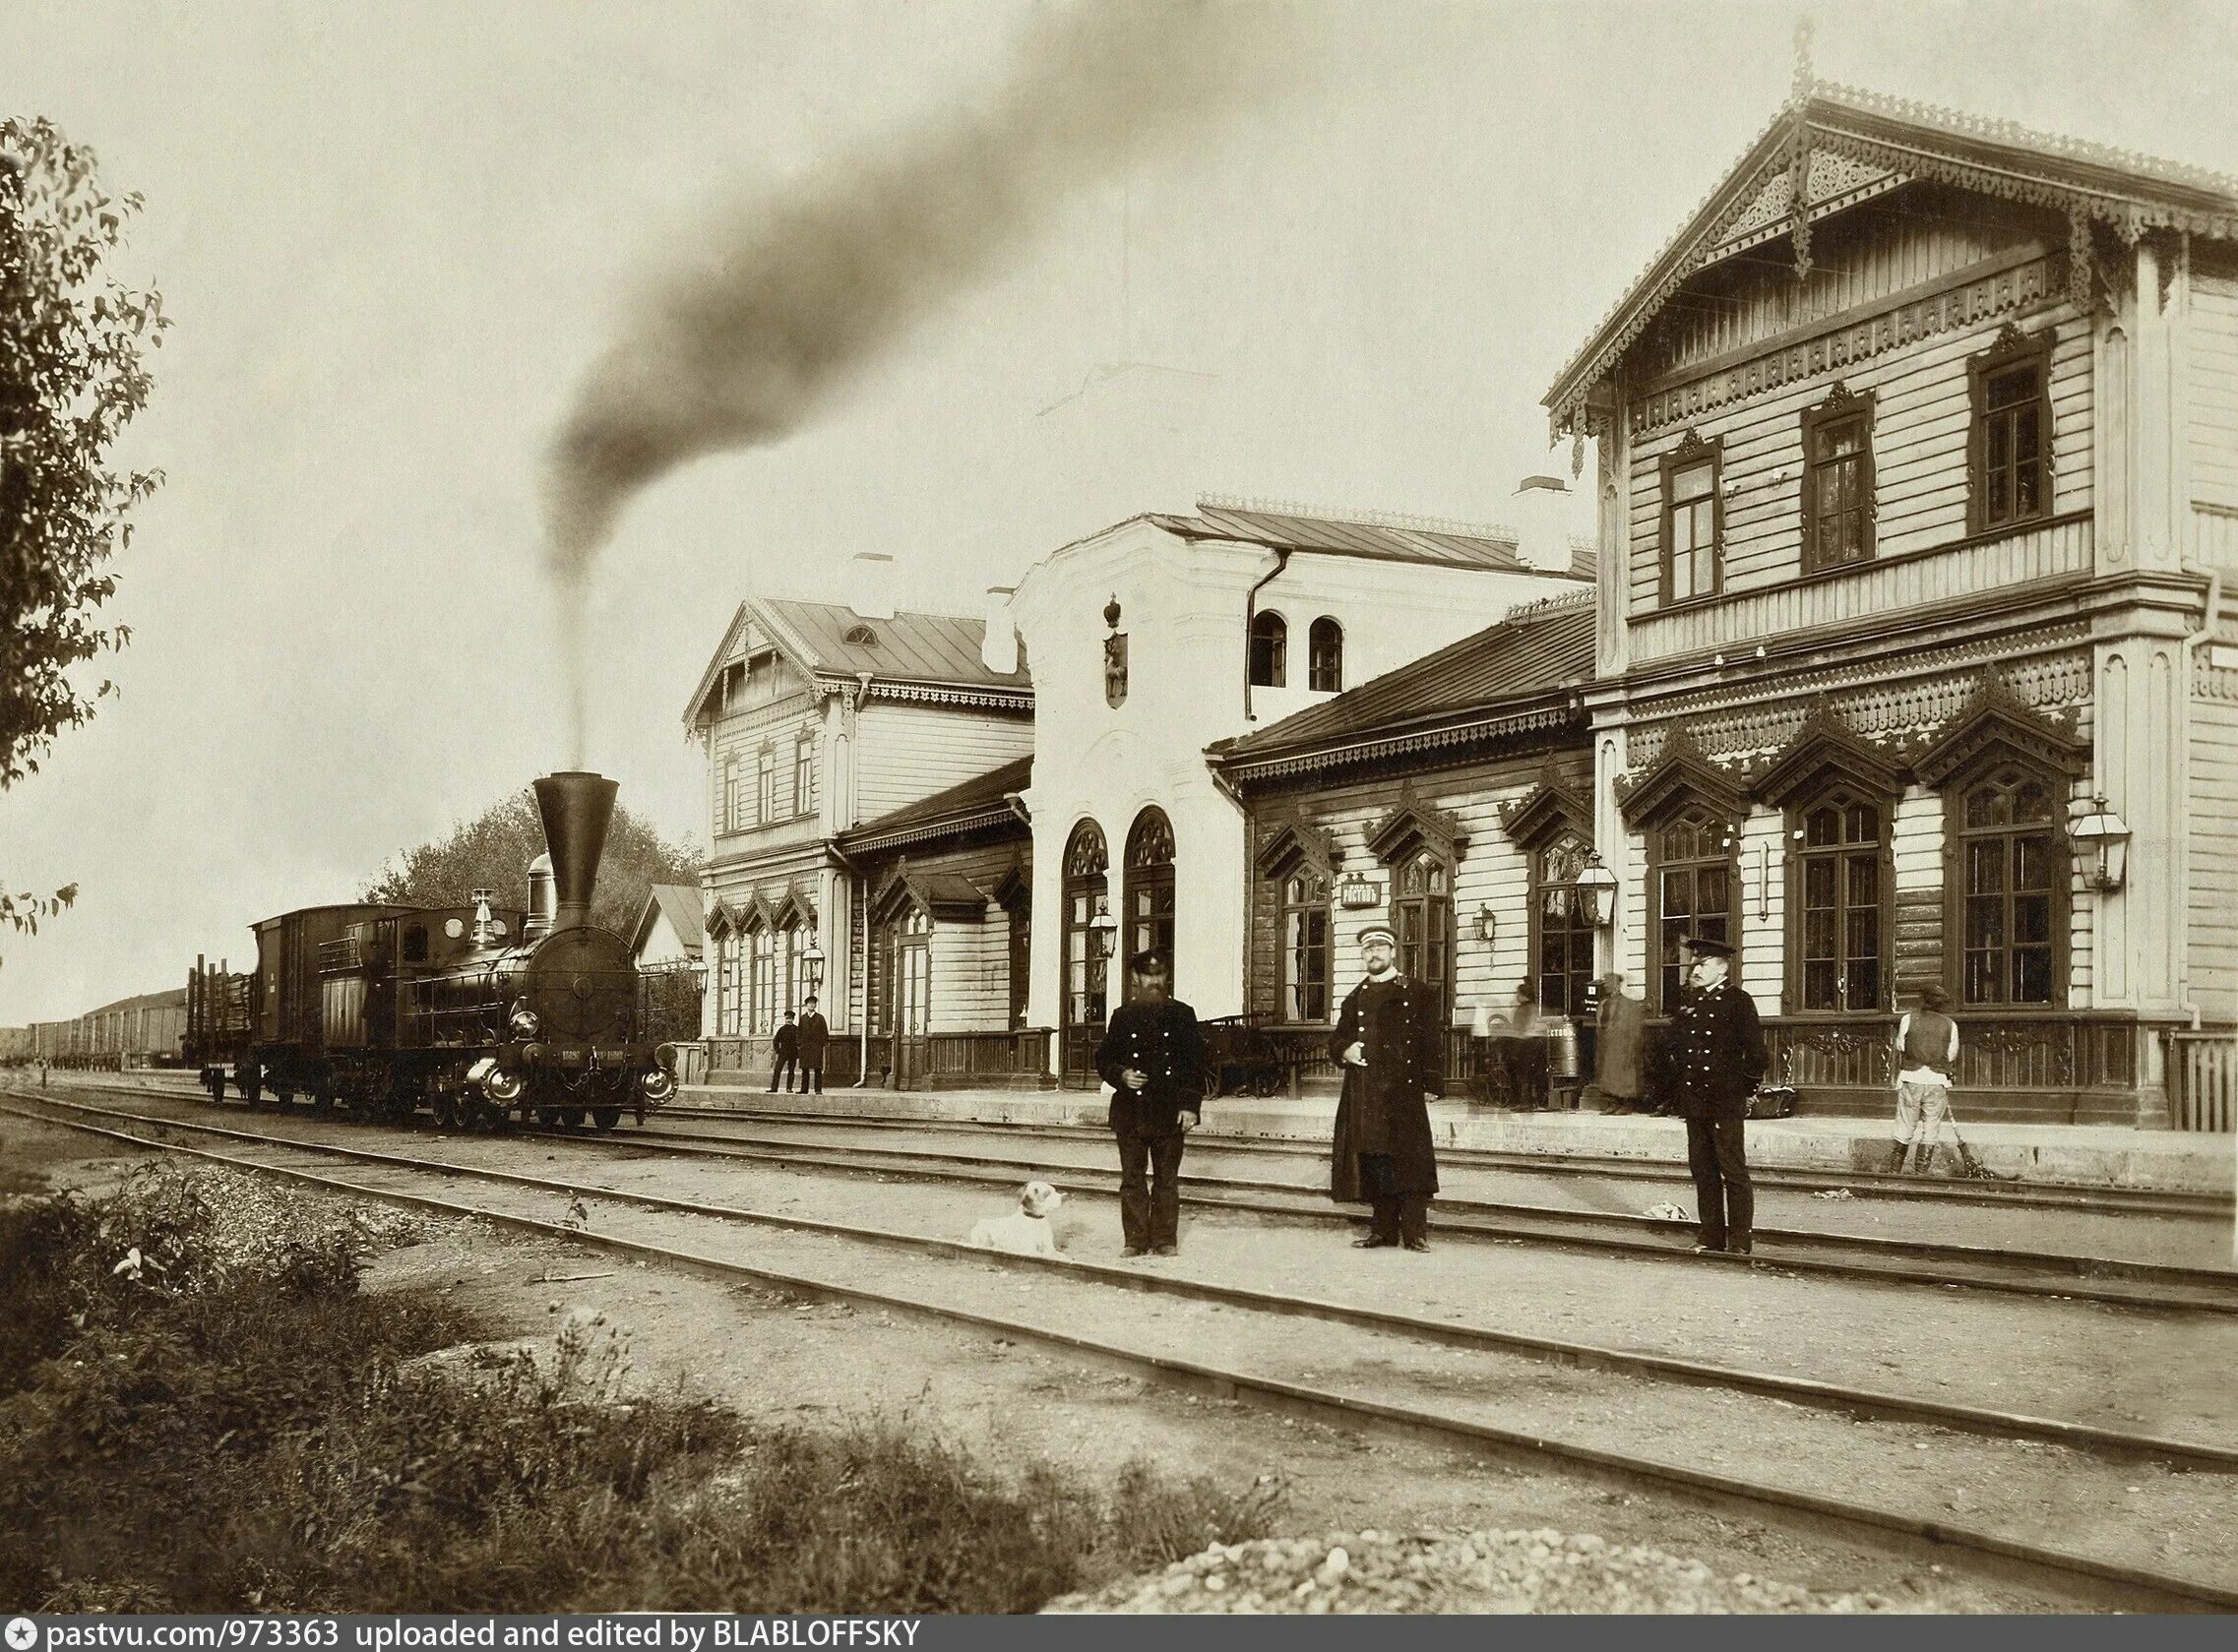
{"points": [[1853, 1401], [2001, 1555]]}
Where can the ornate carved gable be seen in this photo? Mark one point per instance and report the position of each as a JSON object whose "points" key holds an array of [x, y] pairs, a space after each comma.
{"points": [[1551, 807], [1827, 749], [944, 896], [1415, 825], [1996, 719], [1013, 891], [1294, 841], [755, 912], [794, 907], [723, 919], [1680, 776]]}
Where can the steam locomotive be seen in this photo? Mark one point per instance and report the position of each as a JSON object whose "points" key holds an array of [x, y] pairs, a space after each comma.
{"points": [[477, 1014]]}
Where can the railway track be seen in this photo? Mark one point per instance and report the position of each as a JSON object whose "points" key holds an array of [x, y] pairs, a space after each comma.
{"points": [[1859, 1183], [2114, 1281], [959, 1286]]}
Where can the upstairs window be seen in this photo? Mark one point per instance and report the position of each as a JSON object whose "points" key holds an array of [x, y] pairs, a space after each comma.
{"points": [[1838, 481], [1692, 550], [766, 785], [731, 801], [803, 774], [1324, 667], [1269, 650], [2008, 456]]}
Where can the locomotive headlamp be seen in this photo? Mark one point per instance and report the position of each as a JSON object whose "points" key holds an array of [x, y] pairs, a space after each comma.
{"points": [[525, 1022], [657, 1084], [502, 1084]]}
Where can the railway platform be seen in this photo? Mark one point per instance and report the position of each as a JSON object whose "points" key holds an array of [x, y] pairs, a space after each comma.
{"points": [[2074, 1155]]}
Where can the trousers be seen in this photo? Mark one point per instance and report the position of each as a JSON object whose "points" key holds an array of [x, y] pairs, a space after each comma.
{"points": [[1150, 1190], [781, 1073], [812, 1078], [1718, 1154], [1398, 1215], [1919, 1115]]}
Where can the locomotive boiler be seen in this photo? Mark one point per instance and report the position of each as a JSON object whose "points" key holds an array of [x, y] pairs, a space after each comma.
{"points": [[479, 1013]]}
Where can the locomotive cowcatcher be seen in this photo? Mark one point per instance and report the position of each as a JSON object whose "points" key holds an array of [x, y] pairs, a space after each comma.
{"points": [[479, 1013]]}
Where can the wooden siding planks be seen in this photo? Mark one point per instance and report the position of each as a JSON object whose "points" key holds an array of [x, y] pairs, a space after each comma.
{"points": [[2212, 383], [904, 752], [2212, 938]]}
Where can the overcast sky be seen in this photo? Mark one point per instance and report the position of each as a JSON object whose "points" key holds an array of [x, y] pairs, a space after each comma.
{"points": [[394, 236]]}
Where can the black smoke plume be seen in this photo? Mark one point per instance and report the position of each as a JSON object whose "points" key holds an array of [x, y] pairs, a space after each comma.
{"points": [[748, 335]]}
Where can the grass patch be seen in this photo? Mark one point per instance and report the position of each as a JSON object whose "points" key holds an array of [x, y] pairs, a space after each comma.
{"points": [[200, 1412]]}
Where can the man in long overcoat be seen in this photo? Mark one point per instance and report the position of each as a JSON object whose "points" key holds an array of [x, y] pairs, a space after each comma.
{"points": [[1153, 1056], [1716, 1059], [815, 1033], [1390, 1041], [1621, 1046]]}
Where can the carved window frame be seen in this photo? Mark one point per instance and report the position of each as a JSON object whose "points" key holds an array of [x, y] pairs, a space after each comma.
{"points": [[1147, 891], [1086, 869], [766, 783], [1662, 999], [1960, 840], [1692, 452], [1841, 792], [1820, 424], [1270, 645], [1557, 912], [804, 772], [2013, 349]]}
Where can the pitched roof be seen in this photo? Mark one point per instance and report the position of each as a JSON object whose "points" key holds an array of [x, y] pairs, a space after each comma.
{"points": [[1862, 145], [1538, 650], [982, 800], [680, 904], [1380, 535], [908, 648]]}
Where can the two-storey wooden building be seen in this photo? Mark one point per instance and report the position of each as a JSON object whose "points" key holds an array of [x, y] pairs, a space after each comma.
{"points": [[1918, 468], [815, 718]]}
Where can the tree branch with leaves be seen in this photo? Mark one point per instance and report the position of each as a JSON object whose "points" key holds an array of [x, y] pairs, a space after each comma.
{"points": [[72, 376]]}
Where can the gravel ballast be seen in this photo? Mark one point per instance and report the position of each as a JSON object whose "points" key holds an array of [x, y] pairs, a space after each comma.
{"points": [[1489, 1572]]}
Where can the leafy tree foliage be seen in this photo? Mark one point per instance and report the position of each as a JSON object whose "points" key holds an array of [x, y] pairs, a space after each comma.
{"points": [[70, 379], [493, 852]]}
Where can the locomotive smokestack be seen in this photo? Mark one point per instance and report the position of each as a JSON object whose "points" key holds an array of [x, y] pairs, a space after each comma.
{"points": [[577, 809]]}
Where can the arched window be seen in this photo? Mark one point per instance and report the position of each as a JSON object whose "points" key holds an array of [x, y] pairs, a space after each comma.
{"points": [[1324, 661], [1562, 929], [1270, 650], [1695, 889], [1085, 863], [1149, 885], [1305, 946], [1423, 907], [1838, 903], [2008, 839]]}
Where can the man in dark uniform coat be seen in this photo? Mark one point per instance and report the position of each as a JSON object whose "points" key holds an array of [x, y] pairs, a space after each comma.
{"points": [[1715, 1059], [1153, 1057], [784, 1053], [1390, 1041], [815, 1033]]}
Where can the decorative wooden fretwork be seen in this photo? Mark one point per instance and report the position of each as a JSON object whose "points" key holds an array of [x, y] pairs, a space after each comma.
{"points": [[1413, 825], [794, 908], [1679, 776], [1014, 890], [1293, 843], [1825, 750], [1996, 717], [1085, 856], [1151, 841], [1550, 808]]}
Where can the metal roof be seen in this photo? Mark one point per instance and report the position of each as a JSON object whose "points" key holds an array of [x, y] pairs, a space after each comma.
{"points": [[1380, 535], [1537, 649], [908, 648], [681, 905], [980, 799]]}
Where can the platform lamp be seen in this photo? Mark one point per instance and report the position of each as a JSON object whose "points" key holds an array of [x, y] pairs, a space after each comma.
{"points": [[814, 958], [1105, 928], [1597, 890], [2101, 840]]}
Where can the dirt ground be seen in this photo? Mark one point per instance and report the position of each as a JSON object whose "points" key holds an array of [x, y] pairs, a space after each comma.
{"points": [[775, 1359]]}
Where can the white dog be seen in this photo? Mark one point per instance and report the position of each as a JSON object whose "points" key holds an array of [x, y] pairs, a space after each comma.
{"points": [[1025, 1231]]}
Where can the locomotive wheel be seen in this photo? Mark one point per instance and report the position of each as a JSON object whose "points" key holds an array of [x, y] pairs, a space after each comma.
{"points": [[575, 1117], [549, 1116], [607, 1118], [447, 1111]]}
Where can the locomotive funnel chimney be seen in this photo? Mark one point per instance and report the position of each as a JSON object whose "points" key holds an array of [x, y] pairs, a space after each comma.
{"points": [[577, 809]]}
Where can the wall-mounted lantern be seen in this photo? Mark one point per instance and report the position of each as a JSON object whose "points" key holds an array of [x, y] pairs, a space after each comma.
{"points": [[1596, 892], [1104, 927], [1487, 923], [2101, 843], [814, 958]]}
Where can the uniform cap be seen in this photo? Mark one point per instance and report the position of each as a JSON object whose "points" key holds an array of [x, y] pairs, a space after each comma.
{"points": [[1705, 945], [1379, 931]]}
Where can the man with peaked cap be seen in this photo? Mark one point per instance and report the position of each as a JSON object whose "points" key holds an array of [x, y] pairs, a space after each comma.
{"points": [[1716, 1059], [1391, 1042], [1153, 1056]]}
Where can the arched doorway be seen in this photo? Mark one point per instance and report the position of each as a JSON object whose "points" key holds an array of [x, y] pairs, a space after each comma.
{"points": [[1081, 993], [1149, 888]]}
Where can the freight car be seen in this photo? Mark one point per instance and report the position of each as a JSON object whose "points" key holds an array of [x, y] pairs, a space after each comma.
{"points": [[478, 1013]]}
